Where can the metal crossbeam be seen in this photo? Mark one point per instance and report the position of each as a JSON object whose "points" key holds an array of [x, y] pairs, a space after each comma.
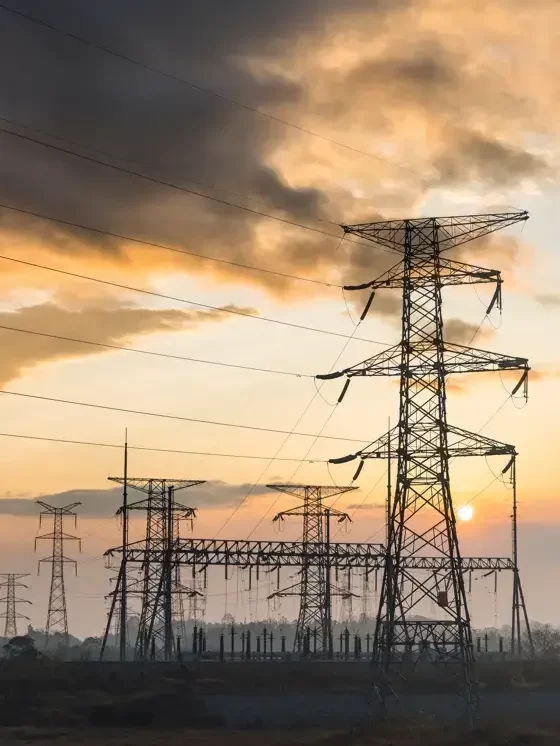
{"points": [[273, 554]]}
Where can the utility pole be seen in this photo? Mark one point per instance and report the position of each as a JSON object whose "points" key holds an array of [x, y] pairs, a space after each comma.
{"points": [[518, 606], [314, 587], [57, 617], [422, 515], [157, 584], [123, 571], [10, 583]]}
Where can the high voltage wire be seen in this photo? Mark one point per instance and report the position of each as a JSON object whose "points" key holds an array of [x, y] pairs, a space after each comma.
{"points": [[153, 293], [174, 416], [201, 89], [269, 464], [106, 154], [162, 182], [152, 244], [156, 354], [179, 188], [148, 448]]}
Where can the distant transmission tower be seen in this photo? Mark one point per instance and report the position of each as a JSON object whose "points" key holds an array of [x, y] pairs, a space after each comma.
{"points": [[315, 587], [10, 583], [159, 577], [57, 617], [422, 517]]}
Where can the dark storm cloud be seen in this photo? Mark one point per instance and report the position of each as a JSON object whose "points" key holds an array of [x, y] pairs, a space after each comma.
{"points": [[167, 129], [102, 503], [61, 86]]}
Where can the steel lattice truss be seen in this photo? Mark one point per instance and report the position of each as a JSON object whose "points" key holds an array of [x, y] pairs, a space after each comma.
{"points": [[459, 443], [157, 581], [422, 519], [10, 583], [277, 554], [57, 616], [314, 587]]}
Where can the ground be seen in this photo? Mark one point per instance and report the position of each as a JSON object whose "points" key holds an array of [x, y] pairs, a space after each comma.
{"points": [[92, 704]]}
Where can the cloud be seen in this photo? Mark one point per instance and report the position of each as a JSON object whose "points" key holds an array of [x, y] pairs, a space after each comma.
{"points": [[113, 325], [549, 300], [366, 506], [474, 156], [451, 109], [463, 332], [102, 503]]}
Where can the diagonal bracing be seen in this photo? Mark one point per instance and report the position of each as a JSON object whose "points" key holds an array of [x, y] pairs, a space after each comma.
{"points": [[421, 516]]}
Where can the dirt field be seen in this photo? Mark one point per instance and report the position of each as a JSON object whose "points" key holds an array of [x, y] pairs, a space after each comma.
{"points": [[412, 734], [60, 704]]}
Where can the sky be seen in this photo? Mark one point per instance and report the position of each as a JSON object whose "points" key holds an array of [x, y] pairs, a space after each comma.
{"points": [[347, 111]]}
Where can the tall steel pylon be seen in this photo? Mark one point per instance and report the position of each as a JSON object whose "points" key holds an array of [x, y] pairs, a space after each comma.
{"points": [[157, 582], [57, 616], [422, 518], [315, 585], [11, 615]]}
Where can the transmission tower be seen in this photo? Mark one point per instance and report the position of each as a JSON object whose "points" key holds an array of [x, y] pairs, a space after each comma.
{"points": [[57, 617], [10, 583], [157, 583], [315, 586], [422, 518]]}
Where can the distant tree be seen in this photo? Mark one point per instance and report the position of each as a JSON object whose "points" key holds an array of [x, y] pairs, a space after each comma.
{"points": [[546, 640], [21, 647]]}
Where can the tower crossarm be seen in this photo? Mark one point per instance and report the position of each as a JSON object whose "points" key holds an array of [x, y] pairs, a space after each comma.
{"points": [[449, 231], [422, 363], [450, 273], [460, 443], [301, 510], [155, 487]]}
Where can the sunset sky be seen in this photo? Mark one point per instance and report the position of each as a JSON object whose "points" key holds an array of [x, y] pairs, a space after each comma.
{"points": [[444, 108]]}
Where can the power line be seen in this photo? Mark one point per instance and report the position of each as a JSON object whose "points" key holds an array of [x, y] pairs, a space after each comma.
{"points": [[221, 309], [152, 244], [106, 154], [202, 89], [281, 446], [177, 187], [148, 448], [173, 416], [108, 346]]}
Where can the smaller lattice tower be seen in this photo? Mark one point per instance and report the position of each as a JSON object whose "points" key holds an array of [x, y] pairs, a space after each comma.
{"points": [[315, 586], [10, 582], [156, 586], [57, 616]]}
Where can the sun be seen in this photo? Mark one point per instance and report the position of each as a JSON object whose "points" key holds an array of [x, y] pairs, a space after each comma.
{"points": [[465, 513]]}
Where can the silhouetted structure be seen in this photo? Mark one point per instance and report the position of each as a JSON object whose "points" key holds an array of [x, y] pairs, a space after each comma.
{"points": [[157, 582], [57, 617], [422, 518], [10, 583], [315, 585]]}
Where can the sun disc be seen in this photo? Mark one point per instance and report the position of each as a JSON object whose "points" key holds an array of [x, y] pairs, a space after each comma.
{"points": [[465, 513]]}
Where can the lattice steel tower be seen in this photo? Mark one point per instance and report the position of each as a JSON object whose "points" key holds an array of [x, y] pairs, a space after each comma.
{"points": [[422, 518], [315, 586], [57, 617], [157, 584], [10, 583]]}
